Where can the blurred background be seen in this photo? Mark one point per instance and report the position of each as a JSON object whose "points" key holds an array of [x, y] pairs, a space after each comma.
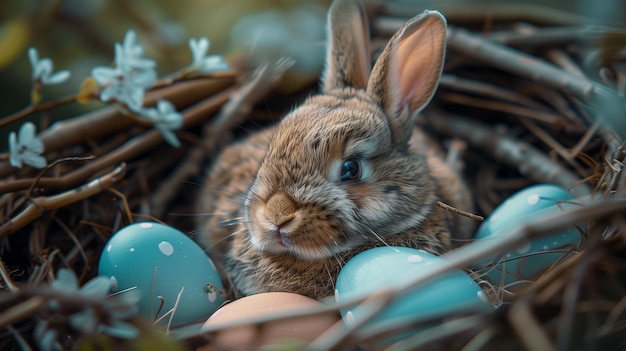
{"points": [[80, 34]]}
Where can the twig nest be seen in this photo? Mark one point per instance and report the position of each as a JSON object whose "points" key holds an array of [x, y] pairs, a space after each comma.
{"points": [[302, 329], [162, 263], [525, 262]]}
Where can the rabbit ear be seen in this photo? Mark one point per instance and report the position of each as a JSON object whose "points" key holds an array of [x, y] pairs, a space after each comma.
{"points": [[347, 56], [407, 72]]}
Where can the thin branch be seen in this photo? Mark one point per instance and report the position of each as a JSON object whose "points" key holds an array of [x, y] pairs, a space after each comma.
{"points": [[474, 13], [52, 165], [21, 311], [520, 155], [528, 328], [109, 121], [6, 277], [560, 58], [41, 204], [458, 211], [23, 344], [460, 84], [490, 104], [518, 62], [77, 243], [555, 145], [440, 333], [29, 110], [553, 36], [130, 150]]}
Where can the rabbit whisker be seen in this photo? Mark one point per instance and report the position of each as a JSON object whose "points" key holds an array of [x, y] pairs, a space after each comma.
{"points": [[219, 226], [210, 214], [231, 221], [226, 237], [378, 237]]}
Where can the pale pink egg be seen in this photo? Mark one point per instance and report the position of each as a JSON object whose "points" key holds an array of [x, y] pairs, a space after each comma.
{"points": [[300, 329]]}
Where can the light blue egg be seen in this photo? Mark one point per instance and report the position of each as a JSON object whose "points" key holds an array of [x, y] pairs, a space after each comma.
{"points": [[526, 261], [158, 260], [452, 293]]}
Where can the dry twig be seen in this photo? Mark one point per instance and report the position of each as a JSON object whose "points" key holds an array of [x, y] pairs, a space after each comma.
{"points": [[41, 204], [522, 156]]}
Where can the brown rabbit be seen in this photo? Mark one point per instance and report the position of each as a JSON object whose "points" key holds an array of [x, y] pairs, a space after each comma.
{"points": [[344, 172]]}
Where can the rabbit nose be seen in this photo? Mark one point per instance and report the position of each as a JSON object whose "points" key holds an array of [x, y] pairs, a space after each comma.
{"points": [[280, 209]]}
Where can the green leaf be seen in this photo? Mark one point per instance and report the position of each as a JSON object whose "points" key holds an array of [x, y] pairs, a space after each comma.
{"points": [[95, 343], [14, 37]]}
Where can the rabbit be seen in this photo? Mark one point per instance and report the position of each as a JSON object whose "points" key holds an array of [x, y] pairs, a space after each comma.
{"points": [[345, 171]]}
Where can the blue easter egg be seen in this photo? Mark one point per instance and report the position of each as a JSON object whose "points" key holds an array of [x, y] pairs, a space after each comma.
{"points": [[157, 260], [528, 260], [369, 271]]}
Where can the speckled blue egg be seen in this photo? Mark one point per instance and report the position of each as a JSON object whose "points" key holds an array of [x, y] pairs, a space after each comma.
{"points": [[158, 260], [528, 260], [389, 266]]}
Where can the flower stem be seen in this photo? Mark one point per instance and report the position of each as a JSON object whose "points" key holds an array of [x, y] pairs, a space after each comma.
{"points": [[29, 110]]}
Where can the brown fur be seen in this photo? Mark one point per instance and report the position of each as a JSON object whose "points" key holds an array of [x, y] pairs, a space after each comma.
{"points": [[280, 219]]}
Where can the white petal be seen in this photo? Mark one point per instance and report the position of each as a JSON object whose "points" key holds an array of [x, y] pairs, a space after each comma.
{"points": [[35, 145], [16, 161], [139, 63], [165, 107], [85, 321], [213, 63], [174, 121], [16, 157], [170, 137], [35, 160], [199, 48], [48, 340], [129, 38], [57, 78], [170, 118], [104, 75], [133, 97], [120, 57], [143, 79], [13, 142], [97, 287], [65, 281], [33, 56], [26, 133], [150, 113], [44, 69], [108, 93], [122, 330], [193, 46], [131, 49]]}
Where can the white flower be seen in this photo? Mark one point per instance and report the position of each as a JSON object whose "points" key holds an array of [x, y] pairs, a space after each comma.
{"points": [[166, 119], [132, 53], [98, 314], [123, 85], [66, 282], [97, 288], [131, 76], [26, 147], [42, 70], [201, 62]]}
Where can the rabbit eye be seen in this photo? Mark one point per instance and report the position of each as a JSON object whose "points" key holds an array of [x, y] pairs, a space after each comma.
{"points": [[350, 170]]}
